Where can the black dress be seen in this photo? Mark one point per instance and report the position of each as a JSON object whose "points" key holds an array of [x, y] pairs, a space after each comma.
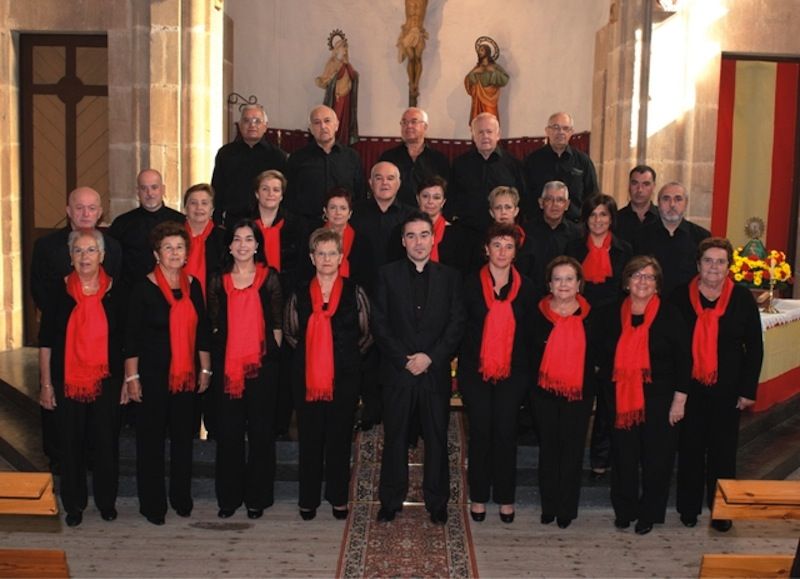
{"points": [[710, 429], [81, 422], [246, 476], [493, 407], [161, 414], [325, 427]]}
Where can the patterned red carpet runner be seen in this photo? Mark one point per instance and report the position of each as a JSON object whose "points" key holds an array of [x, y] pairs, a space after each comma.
{"points": [[409, 546]]}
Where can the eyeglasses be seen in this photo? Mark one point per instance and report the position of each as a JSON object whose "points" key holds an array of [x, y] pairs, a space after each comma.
{"points": [[643, 276], [257, 121], [93, 250], [554, 200], [558, 128], [712, 261], [411, 122]]}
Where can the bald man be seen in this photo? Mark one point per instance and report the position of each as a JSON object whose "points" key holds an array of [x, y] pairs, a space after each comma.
{"points": [[320, 166]]}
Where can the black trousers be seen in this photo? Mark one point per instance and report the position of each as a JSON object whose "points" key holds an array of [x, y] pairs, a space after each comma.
{"points": [[431, 397], [371, 386], [78, 423], [562, 439], [707, 448], [283, 401], [600, 442], [246, 473], [651, 446], [159, 415], [50, 439], [325, 432], [492, 410]]}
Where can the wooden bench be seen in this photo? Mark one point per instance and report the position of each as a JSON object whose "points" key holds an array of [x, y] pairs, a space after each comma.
{"points": [[27, 493], [33, 563], [753, 499]]}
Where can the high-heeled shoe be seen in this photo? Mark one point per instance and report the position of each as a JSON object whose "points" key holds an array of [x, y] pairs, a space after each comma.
{"points": [[477, 516], [308, 515], [340, 514], [507, 518]]}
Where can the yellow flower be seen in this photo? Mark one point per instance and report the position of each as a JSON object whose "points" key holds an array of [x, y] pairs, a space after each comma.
{"points": [[738, 277]]}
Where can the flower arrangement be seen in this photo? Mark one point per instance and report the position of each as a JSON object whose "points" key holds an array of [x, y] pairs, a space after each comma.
{"points": [[756, 272]]}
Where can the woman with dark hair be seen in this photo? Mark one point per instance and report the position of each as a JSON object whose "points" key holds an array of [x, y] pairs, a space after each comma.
{"points": [[494, 370], [205, 248], [603, 256], [356, 251], [652, 366], [727, 351], [504, 209], [246, 310], [79, 367], [564, 392], [166, 332], [451, 244], [327, 322]]}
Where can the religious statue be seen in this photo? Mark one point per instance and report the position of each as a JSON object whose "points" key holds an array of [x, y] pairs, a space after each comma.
{"points": [[410, 45], [754, 229], [484, 81], [340, 81]]}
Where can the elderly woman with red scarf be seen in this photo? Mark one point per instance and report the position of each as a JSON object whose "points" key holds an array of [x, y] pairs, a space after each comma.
{"points": [[246, 309], [652, 366], [494, 370], [79, 366], [565, 388], [727, 351], [167, 332], [327, 323]]}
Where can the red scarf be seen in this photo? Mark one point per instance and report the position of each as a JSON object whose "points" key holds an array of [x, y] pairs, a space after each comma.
{"points": [[499, 326], [597, 263], [706, 332], [348, 236], [272, 242], [632, 364], [521, 232], [567, 340], [246, 343], [182, 333], [86, 345], [438, 234], [196, 262], [319, 342]]}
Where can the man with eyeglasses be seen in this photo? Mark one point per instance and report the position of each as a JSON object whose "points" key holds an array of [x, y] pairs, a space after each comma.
{"points": [[640, 210], [557, 161], [320, 166], [550, 231], [672, 239], [418, 162], [51, 263], [239, 162]]}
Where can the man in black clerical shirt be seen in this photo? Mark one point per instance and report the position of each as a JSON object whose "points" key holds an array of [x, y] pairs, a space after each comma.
{"points": [[416, 160], [557, 161], [478, 171], [672, 240], [239, 162], [320, 166], [640, 210]]}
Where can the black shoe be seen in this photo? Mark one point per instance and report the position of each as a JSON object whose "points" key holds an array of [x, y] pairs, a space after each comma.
{"points": [[156, 520], [439, 516], [225, 513], [308, 515], [689, 520], [255, 513], [507, 518], [477, 517], [622, 523], [643, 527], [108, 514], [185, 513], [722, 525], [598, 474], [340, 514], [74, 519], [563, 523], [386, 515], [547, 519]]}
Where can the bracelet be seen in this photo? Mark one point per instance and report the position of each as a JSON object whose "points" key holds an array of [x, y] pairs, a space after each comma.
{"points": [[206, 371], [131, 378]]}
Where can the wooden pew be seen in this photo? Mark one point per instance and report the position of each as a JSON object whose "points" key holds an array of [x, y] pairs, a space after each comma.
{"points": [[753, 499], [33, 563]]}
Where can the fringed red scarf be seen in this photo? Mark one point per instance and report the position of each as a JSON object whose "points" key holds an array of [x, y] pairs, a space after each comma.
{"points": [[561, 370], [706, 332], [182, 333], [632, 364], [246, 343], [86, 345], [597, 263], [196, 262], [272, 242], [438, 234], [348, 236], [499, 326], [319, 342]]}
